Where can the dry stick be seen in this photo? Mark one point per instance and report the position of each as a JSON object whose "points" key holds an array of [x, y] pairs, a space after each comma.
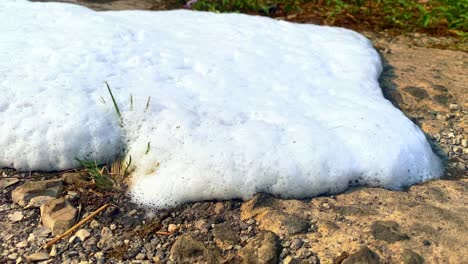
{"points": [[163, 233], [73, 228]]}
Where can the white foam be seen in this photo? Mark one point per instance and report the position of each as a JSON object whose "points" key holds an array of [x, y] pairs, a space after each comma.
{"points": [[239, 104]]}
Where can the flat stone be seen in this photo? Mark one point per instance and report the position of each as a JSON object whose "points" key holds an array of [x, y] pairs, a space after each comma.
{"points": [[37, 201], [39, 256], [58, 215], [24, 193], [75, 178], [7, 182], [22, 244], [16, 216], [362, 256], [264, 248], [82, 234]]}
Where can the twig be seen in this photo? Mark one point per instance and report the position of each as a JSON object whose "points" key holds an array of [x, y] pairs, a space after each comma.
{"points": [[164, 233], [73, 228]]}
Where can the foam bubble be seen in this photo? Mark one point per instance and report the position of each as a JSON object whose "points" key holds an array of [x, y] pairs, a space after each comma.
{"points": [[239, 104]]}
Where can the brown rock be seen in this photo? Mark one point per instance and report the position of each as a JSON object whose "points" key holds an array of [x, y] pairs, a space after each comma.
{"points": [[282, 223], [363, 256], [75, 178], [262, 249], [410, 257], [225, 236], [6, 182], [186, 249], [218, 208], [58, 215], [261, 202], [24, 193]]}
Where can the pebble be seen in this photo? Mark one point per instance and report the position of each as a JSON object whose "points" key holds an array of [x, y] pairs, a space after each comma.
{"points": [[22, 244], [172, 228], [53, 251], [12, 256], [94, 224], [219, 208], [296, 244], [39, 256], [453, 106], [16, 216]]}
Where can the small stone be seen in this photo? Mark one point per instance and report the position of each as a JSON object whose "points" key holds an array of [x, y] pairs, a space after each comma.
{"points": [[202, 225], [186, 249], [364, 256], [41, 232], [296, 244], [113, 226], [31, 237], [304, 253], [453, 106], [75, 178], [219, 208], [82, 234], [290, 260], [172, 228], [39, 256], [7, 182], [94, 224], [22, 244], [58, 215], [410, 257], [12, 256], [326, 206], [132, 212], [106, 233], [16, 216], [53, 251], [263, 248], [140, 256], [426, 242], [24, 193], [464, 143], [99, 255]]}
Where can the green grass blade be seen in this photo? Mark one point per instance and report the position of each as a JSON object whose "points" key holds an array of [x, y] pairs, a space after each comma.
{"points": [[147, 103], [115, 104]]}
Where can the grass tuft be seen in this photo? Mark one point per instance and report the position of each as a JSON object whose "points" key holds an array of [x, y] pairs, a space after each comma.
{"points": [[100, 177]]}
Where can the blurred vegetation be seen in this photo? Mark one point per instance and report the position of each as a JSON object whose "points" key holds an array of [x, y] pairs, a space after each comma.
{"points": [[433, 16]]}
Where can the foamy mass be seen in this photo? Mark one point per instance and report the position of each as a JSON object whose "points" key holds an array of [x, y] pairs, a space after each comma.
{"points": [[239, 104]]}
